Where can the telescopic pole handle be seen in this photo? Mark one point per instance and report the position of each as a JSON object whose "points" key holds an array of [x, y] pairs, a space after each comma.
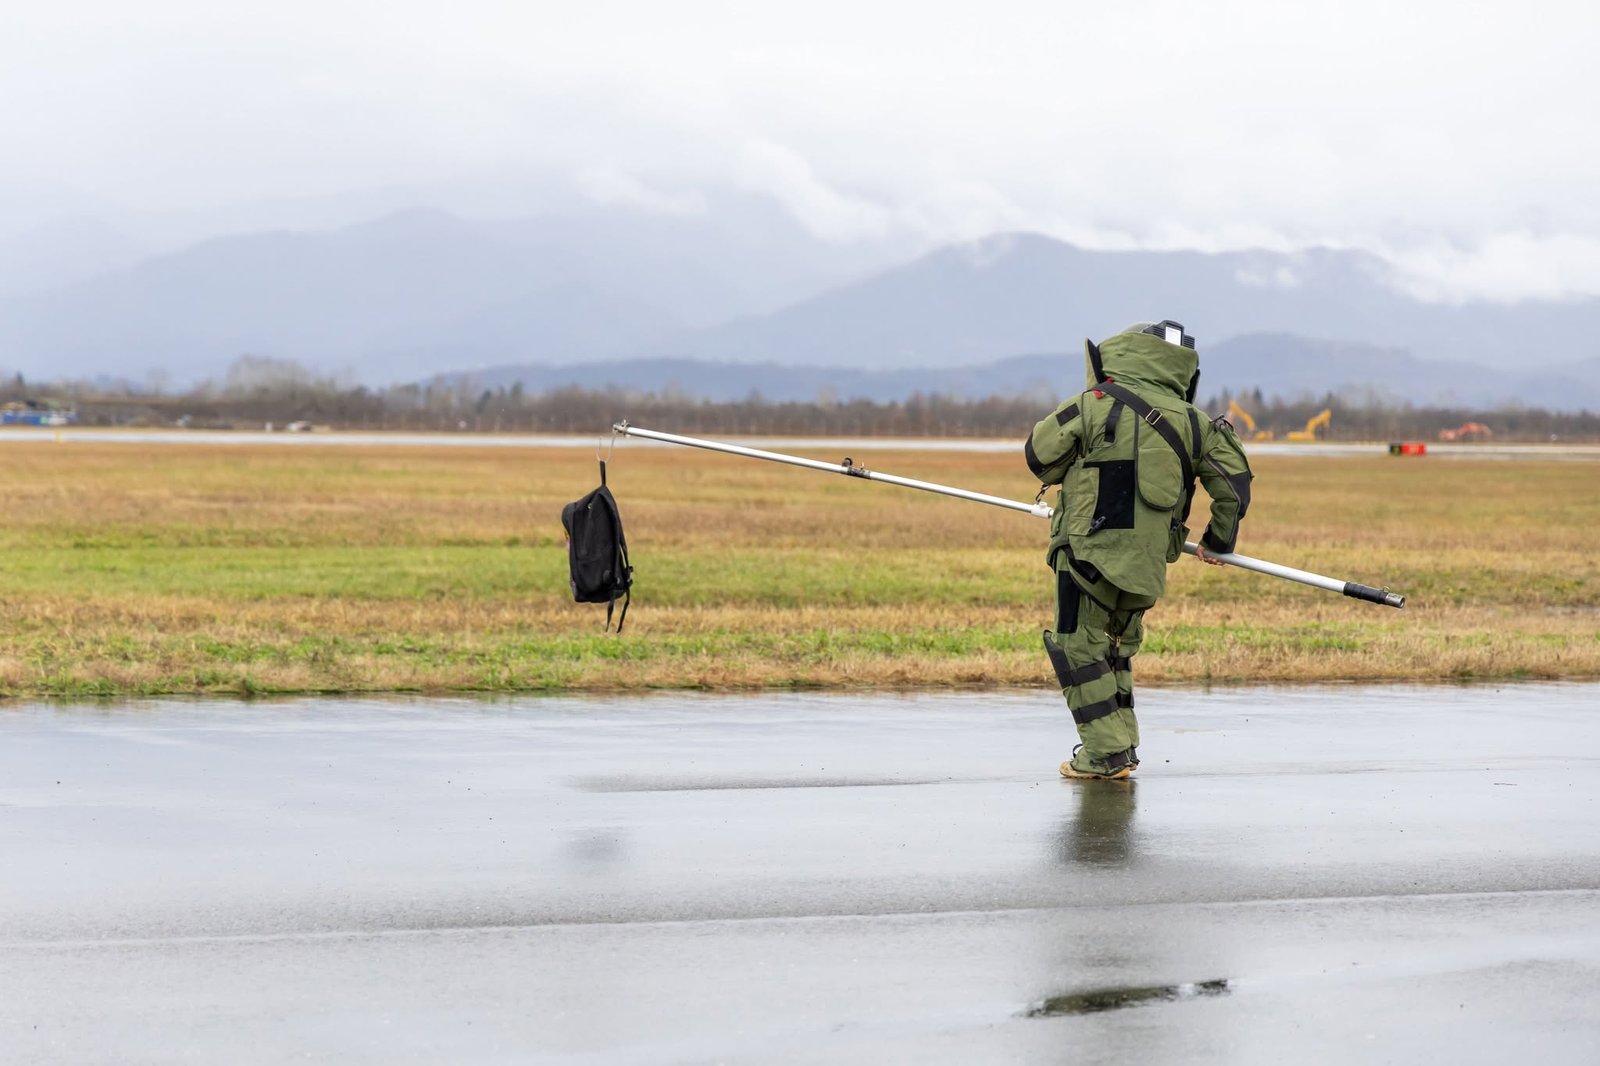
{"points": [[1358, 591], [1353, 589], [1039, 510]]}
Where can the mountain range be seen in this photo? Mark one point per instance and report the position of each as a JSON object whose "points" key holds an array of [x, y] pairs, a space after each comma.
{"points": [[736, 297], [1022, 292], [1278, 364]]}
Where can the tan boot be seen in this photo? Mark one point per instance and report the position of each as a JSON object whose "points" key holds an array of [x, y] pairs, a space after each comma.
{"points": [[1109, 768]]}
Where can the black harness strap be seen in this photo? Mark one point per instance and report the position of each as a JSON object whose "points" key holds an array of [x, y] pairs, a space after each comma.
{"points": [[1194, 433], [1111, 421]]}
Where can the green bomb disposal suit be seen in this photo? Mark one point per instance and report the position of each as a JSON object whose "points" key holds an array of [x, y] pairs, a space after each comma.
{"points": [[1126, 453]]}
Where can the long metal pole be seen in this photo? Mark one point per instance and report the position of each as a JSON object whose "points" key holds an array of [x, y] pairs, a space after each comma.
{"points": [[1353, 589]]}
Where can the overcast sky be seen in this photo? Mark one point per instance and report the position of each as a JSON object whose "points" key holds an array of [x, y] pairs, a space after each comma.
{"points": [[1459, 139]]}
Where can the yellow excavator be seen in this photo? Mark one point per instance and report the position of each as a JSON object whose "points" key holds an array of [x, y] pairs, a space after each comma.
{"points": [[1319, 421], [1242, 417], [1469, 431]]}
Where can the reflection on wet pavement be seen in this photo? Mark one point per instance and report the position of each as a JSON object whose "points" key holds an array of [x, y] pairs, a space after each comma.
{"points": [[1101, 832]]}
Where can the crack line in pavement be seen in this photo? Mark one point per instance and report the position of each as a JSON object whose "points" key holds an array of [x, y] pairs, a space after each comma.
{"points": [[358, 934]]}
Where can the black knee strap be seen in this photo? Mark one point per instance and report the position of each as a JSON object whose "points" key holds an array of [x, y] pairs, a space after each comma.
{"points": [[1066, 673], [1095, 711], [1085, 674]]}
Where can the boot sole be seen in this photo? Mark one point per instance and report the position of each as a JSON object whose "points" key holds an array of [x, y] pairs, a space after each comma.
{"points": [[1068, 770]]}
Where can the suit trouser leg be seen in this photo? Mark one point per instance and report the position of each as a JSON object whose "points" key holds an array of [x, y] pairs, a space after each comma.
{"points": [[1087, 649], [1127, 634]]}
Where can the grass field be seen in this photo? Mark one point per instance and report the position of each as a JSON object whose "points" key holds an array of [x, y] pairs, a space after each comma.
{"points": [[136, 569]]}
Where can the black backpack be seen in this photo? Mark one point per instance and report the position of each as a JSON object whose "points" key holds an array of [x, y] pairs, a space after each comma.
{"points": [[597, 551]]}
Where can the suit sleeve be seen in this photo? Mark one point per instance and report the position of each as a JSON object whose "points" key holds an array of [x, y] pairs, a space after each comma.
{"points": [[1054, 443], [1225, 472]]}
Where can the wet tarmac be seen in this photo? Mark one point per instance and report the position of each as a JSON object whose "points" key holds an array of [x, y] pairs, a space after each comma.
{"points": [[1297, 875]]}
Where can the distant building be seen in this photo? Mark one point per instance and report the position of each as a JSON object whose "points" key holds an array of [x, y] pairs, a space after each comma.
{"points": [[34, 413]]}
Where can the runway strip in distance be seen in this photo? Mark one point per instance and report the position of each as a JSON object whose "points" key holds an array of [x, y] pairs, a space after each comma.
{"points": [[78, 435]]}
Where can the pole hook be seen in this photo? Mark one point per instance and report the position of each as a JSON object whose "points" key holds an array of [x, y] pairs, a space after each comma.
{"points": [[609, 446]]}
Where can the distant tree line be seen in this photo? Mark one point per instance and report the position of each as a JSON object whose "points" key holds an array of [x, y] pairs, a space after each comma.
{"points": [[258, 391], [1373, 418]]}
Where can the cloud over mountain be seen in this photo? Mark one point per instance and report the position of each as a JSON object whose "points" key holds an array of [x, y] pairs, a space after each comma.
{"points": [[419, 293]]}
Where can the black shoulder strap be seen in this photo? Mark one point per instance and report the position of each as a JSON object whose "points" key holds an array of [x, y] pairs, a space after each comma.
{"points": [[1154, 419]]}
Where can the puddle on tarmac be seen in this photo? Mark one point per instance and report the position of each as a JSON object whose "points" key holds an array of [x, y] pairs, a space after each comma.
{"points": [[1104, 999]]}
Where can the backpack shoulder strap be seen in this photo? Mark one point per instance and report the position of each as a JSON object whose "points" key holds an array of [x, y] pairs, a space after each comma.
{"points": [[627, 598], [624, 569], [603, 495]]}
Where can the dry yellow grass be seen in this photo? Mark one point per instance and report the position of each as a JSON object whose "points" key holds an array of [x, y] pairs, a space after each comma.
{"points": [[143, 568]]}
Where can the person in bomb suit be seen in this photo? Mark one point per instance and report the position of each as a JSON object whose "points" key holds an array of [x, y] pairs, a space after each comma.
{"points": [[1127, 453]]}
